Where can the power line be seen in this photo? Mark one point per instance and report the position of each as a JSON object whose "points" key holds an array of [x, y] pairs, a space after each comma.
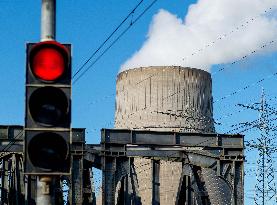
{"points": [[247, 55], [248, 125], [237, 91], [115, 41], [8, 146], [246, 87], [224, 35], [217, 120], [192, 54], [220, 99], [108, 38]]}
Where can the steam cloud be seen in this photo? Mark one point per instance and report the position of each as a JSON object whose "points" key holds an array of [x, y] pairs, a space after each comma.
{"points": [[212, 32]]}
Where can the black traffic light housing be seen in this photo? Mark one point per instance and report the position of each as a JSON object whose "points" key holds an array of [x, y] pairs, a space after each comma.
{"points": [[47, 109]]}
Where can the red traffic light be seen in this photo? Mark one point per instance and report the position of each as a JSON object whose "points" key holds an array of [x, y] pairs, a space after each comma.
{"points": [[48, 109], [48, 60]]}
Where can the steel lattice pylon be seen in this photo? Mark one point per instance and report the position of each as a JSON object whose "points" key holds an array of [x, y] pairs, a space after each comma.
{"points": [[265, 187]]}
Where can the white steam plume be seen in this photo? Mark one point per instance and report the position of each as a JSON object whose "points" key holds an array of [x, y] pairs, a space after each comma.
{"points": [[212, 32]]}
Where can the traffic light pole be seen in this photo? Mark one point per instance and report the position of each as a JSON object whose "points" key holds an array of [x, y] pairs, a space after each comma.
{"points": [[48, 20], [45, 190], [46, 184]]}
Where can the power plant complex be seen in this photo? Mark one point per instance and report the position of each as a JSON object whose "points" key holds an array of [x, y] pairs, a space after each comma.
{"points": [[169, 98]]}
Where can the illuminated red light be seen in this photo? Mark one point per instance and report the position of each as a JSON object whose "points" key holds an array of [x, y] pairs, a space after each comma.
{"points": [[48, 64]]}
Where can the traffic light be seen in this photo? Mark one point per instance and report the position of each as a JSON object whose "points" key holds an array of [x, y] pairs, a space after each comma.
{"points": [[48, 108]]}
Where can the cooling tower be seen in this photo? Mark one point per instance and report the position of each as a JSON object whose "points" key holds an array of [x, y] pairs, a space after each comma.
{"points": [[163, 99]]}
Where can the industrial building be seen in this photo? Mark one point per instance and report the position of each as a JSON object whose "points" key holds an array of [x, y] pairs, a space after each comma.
{"points": [[168, 98]]}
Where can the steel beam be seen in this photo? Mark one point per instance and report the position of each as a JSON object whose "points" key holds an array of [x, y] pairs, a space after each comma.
{"points": [[155, 182], [108, 180], [135, 199], [146, 137], [77, 181]]}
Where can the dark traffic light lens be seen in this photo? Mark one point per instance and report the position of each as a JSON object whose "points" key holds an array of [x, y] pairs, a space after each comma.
{"points": [[48, 106], [48, 64], [48, 151]]}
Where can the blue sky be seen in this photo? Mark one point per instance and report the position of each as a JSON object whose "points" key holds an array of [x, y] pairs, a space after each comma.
{"points": [[86, 24]]}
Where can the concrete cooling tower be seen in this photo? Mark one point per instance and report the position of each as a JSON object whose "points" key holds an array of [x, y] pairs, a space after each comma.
{"points": [[163, 99]]}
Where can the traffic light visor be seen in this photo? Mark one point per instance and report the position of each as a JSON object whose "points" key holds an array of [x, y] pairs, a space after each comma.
{"points": [[48, 60]]}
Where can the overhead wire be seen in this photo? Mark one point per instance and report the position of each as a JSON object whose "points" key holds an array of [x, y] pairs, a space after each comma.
{"points": [[252, 19], [249, 125], [12, 142], [247, 55], [108, 38], [233, 93], [246, 87], [224, 35], [244, 108], [223, 68], [220, 99], [116, 40]]}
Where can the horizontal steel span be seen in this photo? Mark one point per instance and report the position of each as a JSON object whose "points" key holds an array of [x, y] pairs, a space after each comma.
{"points": [[202, 156], [212, 165], [124, 136]]}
